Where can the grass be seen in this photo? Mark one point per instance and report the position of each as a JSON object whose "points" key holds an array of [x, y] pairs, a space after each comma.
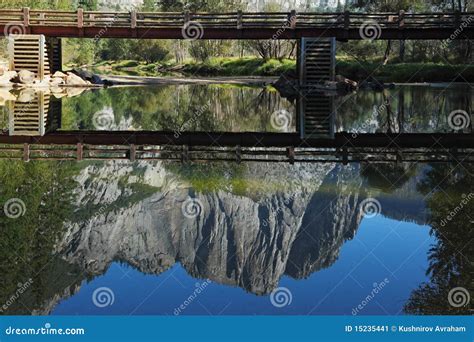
{"points": [[248, 66], [254, 66]]}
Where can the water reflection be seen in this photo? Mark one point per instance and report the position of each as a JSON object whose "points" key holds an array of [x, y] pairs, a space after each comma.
{"points": [[224, 108], [405, 109], [256, 225]]}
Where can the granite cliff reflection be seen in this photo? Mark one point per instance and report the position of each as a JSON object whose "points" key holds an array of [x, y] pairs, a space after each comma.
{"points": [[248, 233]]}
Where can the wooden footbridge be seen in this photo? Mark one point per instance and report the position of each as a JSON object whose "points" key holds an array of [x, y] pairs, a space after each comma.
{"points": [[237, 25], [35, 35], [35, 44], [34, 135]]}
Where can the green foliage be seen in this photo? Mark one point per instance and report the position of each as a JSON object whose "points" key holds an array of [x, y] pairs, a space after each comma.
{"points": [[27, 242], [240, 67], [446, 188]]}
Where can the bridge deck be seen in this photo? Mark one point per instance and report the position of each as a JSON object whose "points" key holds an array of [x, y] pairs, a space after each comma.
{"points": [[238, 25]]}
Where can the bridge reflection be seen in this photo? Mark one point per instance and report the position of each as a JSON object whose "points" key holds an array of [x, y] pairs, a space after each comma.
{"points": [[35, 121], [34, 115]]}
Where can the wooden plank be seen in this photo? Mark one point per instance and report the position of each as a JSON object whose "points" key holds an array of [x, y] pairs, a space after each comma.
{"points": [[79, 151], [41, 61], [80, 18], [133, 19], [26, 152], [133, 152], [26, 16]]}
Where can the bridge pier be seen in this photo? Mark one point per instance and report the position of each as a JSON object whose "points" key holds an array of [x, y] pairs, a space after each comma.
{"points": [[316, 60], [35, 53], [316, 65], [35, 117]]}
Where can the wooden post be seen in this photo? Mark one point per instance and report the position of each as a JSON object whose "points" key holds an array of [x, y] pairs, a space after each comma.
{"points": [[239, 20], [347, 20], [41, 61], [42, 112], [26, 152], [185, 154], [80, 18], [291, 154], [26, 16], [41, 17], [133, 152], [238, 152], [401, 20], [345, 156], [91, 19], [292, 19], [79, 151], [133, 19], [347, 23], [11, 53]]}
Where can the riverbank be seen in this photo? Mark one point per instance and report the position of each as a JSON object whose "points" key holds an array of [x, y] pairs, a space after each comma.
{"points": [[127, 80], [232, 67]]}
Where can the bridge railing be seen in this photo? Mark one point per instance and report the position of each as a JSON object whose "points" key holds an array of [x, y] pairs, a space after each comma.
{"points": [[233, 20]]}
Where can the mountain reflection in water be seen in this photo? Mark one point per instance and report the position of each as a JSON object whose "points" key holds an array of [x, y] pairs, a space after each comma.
{"points": [[254, 226]]}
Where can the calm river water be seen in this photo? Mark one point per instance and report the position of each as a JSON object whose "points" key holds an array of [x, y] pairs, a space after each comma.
{"points": [[144, 238]]}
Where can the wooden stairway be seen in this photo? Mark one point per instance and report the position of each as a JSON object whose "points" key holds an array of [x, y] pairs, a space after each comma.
{"points": [[30, 118], [317, 60], [29, 52], [316, 66]]}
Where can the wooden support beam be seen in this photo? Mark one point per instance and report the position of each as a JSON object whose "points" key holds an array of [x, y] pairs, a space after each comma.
{"points": [[399, 157], [345, 156], [80, 18], [26, 16], [133, 19], [238, 153], [41, 16], [185, 154], [79, 151], [91, 18], [401, 20], [133, 152], [239, 20], [292, 19], [41, 61], [26, 152], [290, 151]]}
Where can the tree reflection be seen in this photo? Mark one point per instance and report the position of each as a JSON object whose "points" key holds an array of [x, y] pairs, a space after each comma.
{"points": [[27, 243], [451, 206]]}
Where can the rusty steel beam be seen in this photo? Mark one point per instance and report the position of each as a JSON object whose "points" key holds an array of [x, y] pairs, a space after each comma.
{"points": [[405, 140]]}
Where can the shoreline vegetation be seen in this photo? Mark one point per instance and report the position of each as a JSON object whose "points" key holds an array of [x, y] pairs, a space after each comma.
{"points": [[251, 66]]}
